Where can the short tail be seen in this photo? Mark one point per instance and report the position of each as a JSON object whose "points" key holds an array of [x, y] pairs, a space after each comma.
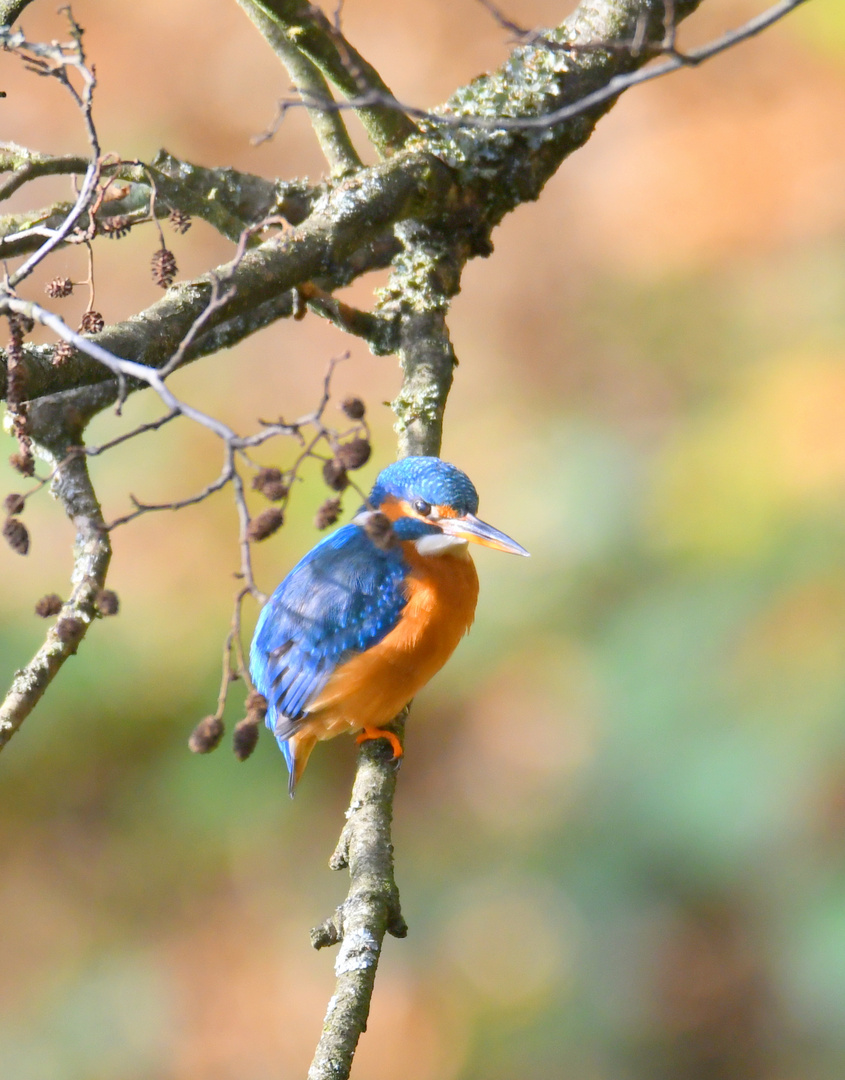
{"points": [[297, 750]]}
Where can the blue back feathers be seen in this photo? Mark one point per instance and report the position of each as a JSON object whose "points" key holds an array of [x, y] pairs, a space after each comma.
{"points": [[429, 478], [341, 599]]}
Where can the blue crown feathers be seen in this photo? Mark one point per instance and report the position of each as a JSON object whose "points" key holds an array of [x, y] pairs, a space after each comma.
{"points": [[428, 478]]}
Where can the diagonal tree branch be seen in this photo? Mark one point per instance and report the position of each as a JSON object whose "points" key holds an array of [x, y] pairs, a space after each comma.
{"points": [[308, 29], [227, 199], [311, 85]]}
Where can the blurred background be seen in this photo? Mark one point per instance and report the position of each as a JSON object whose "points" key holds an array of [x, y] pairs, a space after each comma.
{"points": [[620, 825]]}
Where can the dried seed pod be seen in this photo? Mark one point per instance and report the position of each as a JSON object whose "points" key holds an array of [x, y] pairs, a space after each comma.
{"points": [[107, 602], [354, 408], [270, 482], [164, 267], [24, 462], [256, 703], [334, 474], [355, 453], [62, 352], [265, 524], [179, 221], [48, 605], [327, 514], [16, 535], [115, 227], [59, 288], [14, 503], [206, 735], [245, 737], [92, 322]]}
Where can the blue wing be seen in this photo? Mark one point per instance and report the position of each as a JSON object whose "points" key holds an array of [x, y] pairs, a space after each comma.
{"points": [[341, 599]]}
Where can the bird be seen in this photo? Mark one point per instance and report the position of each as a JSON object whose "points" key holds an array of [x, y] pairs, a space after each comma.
{"points": [[373, 611]]}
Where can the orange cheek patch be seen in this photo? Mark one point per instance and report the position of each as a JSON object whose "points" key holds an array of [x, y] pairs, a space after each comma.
{"points": [[392, 508]]}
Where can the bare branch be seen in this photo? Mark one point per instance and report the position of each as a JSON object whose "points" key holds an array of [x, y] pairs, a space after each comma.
{"points": [[308, 29], [227, 199], [141, 429], [312, 86], [418, 297], [370, 911], [141, 508], [92, 552], [26, 165]]}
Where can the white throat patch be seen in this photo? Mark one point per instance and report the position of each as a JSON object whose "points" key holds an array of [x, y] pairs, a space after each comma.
{"points": [[438, 544]]}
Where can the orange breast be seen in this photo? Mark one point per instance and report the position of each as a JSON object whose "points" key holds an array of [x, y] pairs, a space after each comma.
{"points": [[372, 688]]}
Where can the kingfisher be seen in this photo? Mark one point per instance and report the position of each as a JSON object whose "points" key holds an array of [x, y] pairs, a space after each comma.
{"points": [[372, 612]]}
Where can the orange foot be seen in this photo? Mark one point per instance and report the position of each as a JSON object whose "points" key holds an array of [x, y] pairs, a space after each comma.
{"points": [[379, 733]]}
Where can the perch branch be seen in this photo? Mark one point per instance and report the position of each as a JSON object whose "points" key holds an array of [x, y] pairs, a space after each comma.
{"points": [[372, 907], [370, 911]]}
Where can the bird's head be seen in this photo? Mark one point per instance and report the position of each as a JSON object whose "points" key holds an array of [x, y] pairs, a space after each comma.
{"points": [[434, 503]]}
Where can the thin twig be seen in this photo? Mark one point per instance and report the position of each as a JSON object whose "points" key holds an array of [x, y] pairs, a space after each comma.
{"points": [[141, 429], [62, 57], [222, 480]]}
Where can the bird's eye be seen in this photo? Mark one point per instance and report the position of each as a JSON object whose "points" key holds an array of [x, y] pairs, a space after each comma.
{"points": [[422, 507]]}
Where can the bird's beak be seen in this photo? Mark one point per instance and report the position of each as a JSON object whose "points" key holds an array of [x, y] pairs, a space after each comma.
{"points": [[469, 527]]}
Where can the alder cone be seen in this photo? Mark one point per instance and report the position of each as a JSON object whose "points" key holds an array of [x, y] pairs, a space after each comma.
{"points": [[354, 454], [265, 524]]}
